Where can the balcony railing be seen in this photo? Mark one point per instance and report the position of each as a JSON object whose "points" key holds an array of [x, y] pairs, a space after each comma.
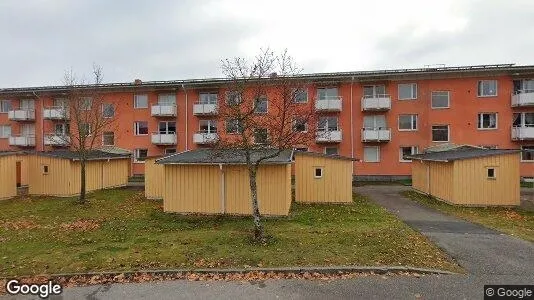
{"points": [[205, 137], [162, 110], [328, 136], [376, 102], [523, 98], [58, 140], [21, 115], [332, 103], [164, 138], [205, 108], [56, 113], [523, 133], [22, 140], [381, 134]]}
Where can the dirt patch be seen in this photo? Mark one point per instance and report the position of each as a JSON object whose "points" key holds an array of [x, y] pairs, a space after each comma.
{"points": [[81, 225]]}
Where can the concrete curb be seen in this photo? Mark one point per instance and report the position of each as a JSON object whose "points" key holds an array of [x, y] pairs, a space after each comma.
{"points": [[285, 270]]}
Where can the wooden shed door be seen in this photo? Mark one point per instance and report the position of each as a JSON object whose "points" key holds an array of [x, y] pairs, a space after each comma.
{"points": [[19, 173]]}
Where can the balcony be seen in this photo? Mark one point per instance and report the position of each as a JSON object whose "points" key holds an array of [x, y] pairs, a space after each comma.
{"points": [[377, 102], [523, 98], [22, 140], [163, 110], [56, 113], [56, 140], [328, 136], [328, 104], [376, 135], [21, 115], [205, 137], [522, 133], [163, 138], [205, 109]]}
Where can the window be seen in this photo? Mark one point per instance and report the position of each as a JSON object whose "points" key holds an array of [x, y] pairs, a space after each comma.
{"points": [[167, 127], [45, 169], [141, 128], [407, 91], [5, 131], [208, 98], [300, 125], [487, 121], [318, 172], [208, 126], [440, 99], [371, 154], [407, 122], [85, 129], [440, 133], [328, 124], [167, 99], [108, 138], [300, 96], [523, 86], [491, 173], [260, 105], [374, 122], [233, 98], [108, 110], [141, 101], [61, 102], [5, 106], [170, 151], [374, 91], [27, 104], [327, 93], [234, 126], [261, 136], [527, 153], [488, 146], [406, 151], [523, 119], [301, 149], [487, 88], [86, 103], [140, 155], [331, 151], [62, 129]]}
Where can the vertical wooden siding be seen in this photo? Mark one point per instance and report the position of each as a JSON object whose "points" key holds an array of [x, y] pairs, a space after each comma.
{"points": [[335, 186], [472, 187], [100, 174], [419, 175], [116, 172], [441, 180], [24, 169], [154, 179], [8, 176], [58, 180]]}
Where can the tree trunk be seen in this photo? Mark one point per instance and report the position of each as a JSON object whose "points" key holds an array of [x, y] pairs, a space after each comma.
{"points": [[82, 181], [258, 228]]}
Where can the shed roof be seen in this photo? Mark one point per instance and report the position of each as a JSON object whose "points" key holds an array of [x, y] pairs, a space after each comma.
{"points": [[461, 153], [227, 156], [6, 153], [91, 155], [324, 155]]}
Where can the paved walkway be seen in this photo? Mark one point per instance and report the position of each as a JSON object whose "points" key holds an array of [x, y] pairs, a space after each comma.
{"points": [[478, 249]]}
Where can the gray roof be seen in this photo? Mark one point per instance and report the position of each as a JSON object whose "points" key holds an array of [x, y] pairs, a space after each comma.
{"points": [[324, 155], [226, 156], [460, 153], [6, 153], [91, 155]]}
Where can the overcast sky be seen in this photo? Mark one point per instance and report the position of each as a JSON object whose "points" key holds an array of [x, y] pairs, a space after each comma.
{"points": [[168, 39]]}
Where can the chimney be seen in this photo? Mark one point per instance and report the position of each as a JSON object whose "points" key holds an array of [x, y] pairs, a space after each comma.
{"points": [[138, 81], [273, 75]]}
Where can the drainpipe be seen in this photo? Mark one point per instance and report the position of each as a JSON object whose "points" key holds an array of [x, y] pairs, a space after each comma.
{"points": [[351, 125], [42, 120], [223, 192], [186, 120]]}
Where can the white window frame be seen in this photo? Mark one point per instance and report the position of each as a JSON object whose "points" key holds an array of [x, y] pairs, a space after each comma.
{"points": [[104, 109], [522, 118], [89, 128], [401, 156], [167, 149], [237, 129], [494, 177], [377, 154], [295, 93], [527, 160], [103, 138], [263, 98], [331, 147], [480, 118], [136, 128], [135, 101], [86, 103], [163, 97], [8, 105], [136, 155], [412, 116], [212, 125], [487, 96], [208, 95], [232, 94], [266, 137], [315, 172], [448, 133], [295, 124], [167, 131], [413, 86], [3, 134], [327, 124], [440, 107]]}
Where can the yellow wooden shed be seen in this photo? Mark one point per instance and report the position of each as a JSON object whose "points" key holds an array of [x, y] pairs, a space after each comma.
{"points": [[8, 175], [154, 178], [322, 178], [470, 176], [57, 173], [207, 181]]}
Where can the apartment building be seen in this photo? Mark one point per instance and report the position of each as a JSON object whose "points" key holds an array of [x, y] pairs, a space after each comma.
{"points": [[376, 116]]}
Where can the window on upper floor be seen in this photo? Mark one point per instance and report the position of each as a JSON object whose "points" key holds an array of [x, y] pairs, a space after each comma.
{"points": [[407, 122], [374, 122], [169, 151], [85, 129], [487, 88], [27, 104], [406, 151], [5, 106], [234, 126], [167, 127], [261, 136], [440, 133], [328, 124], [62, 129], [86, 103], [167, 99], [523, 86], [108, 110], [327, 93], [440, 99], [525, 119], [5, 131], [331, 151], [207, 126], [140, 155], [371, 154], [374, 91], [141, 128], [300, 125], [141, 101], [407, 91], [300, 96], [527, 153], [207, 98], [260, 105], [108, 138], [233, 98], [487, 121]]}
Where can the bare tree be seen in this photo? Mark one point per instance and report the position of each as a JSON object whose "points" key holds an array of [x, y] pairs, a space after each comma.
{"points": [[261, 110], [90, 116]]}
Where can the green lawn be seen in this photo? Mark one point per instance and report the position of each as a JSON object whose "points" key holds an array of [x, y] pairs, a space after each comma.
{"points": [[120, 230], [513, 221]]}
